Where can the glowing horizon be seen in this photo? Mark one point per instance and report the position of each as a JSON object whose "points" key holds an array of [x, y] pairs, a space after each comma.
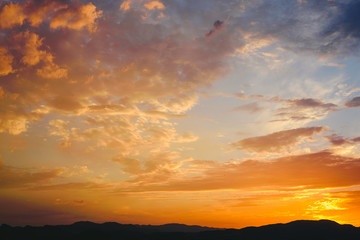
{"points": [[212, 113]]}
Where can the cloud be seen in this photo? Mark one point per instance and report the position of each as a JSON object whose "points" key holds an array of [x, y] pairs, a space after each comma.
{"points": [[70, 186], [12, 177], [65, 70], [58, 13], [156, 168], [250, 107], [42, 11], [289, 110], [11, 14], [303, 109], [309, 171], [130, 165], [29, 44], [218, 26], [328, 28], [154, 5], [336, 140], [311, 103], [57, 127], [343, 30], [21, 212], [187, 137], [6, 60], [75, 203], [277, 141], [119, 80], [125, 5], [14, 125], [77, 17], [243, 96], [50, 70], [354, 102]]}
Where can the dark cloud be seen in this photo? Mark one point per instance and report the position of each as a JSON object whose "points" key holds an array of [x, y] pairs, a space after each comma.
{"points": [[343, 31], [218, 25], [311, 103], [304, 109], [297, 109], [15, 211], [322, 27], [355, 102], [336, 140]]}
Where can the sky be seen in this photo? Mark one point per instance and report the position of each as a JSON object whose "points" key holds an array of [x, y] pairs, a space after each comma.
{"points": [[217, 113]]}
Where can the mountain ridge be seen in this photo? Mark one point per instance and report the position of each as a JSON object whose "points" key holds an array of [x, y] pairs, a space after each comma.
{"points": [[295, 230]]}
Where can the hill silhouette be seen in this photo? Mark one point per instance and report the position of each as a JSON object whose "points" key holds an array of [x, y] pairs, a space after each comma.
{"points": [[301, 229]]}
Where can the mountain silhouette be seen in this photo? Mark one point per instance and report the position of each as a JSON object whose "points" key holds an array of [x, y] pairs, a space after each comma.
{"points": [[296, 230]]}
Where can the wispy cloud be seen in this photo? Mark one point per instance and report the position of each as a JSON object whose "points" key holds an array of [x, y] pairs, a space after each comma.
{"points": [[250, 107], [277, 141], [308, 171], [20, 178]]}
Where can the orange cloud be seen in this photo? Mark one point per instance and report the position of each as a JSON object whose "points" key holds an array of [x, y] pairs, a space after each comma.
{"points": [[125, 5], [187, 137], [77, 17], [69, 186], [130, 165], [38, 12], [154, 5], [157, 167], [66, 72], [120, 87], [14, 119], [11, 177], [277, 141], [6, 60], [15, 125], [75, 203], [33, 12], [29, 44], [52, 71], [309, 171], [12, 14], [1, 93]]}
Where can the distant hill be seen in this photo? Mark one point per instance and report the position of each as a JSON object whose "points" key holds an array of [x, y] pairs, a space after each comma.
{"points": [[297, 230]]}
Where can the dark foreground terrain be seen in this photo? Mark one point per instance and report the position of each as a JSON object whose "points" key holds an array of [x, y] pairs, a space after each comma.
{"points": [[304, 230]]}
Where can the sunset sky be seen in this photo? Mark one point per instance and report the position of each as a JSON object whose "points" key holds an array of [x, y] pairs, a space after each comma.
{"points": [[224, 113]]}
